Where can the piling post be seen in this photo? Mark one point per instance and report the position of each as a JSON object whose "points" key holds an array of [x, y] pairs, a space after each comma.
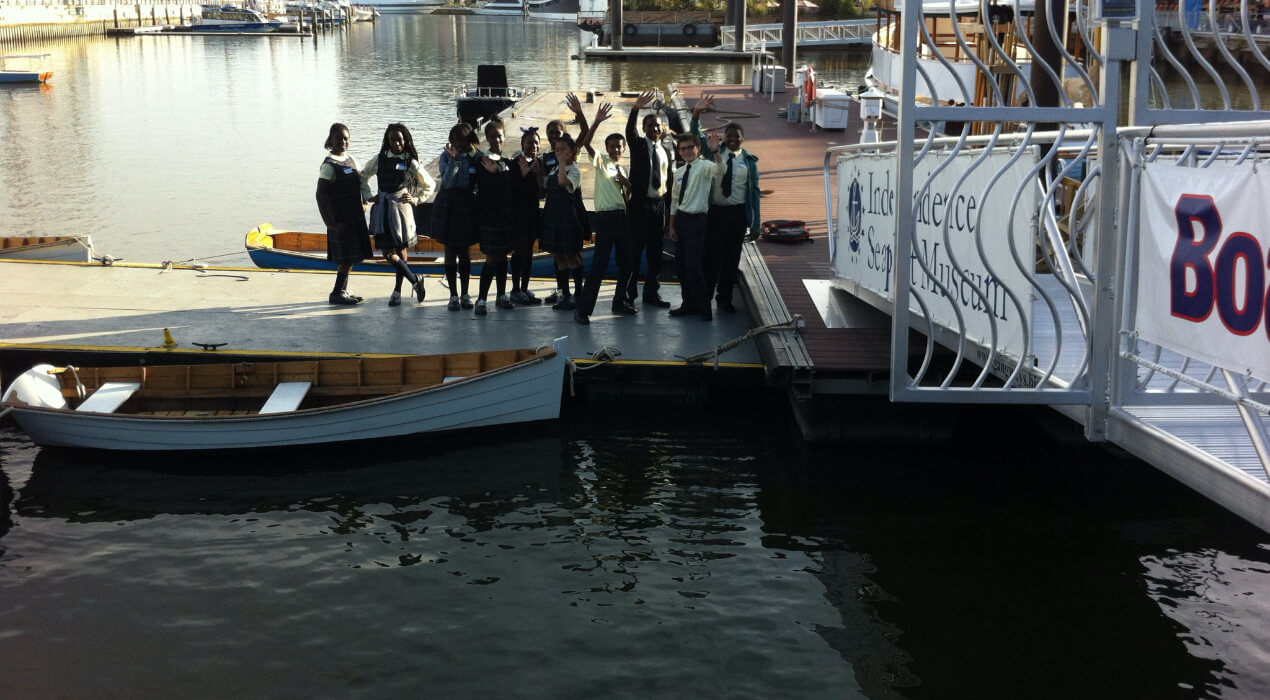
{"points": [[788, 31], [617, 23]]}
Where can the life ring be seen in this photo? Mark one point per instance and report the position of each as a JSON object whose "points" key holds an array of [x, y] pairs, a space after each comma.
{"points": [[630, 30], [690, 30], [809, 87]]}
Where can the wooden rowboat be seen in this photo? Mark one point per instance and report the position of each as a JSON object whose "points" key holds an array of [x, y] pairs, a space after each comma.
{"points": [[275, 249], [244, 405], [72, 248]]}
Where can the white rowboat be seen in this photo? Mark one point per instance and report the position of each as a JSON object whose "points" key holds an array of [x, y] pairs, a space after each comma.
{"points": [[246, 405]]}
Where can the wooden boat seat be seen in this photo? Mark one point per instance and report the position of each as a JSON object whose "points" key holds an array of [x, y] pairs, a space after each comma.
{"points": [[109, 397], [286, 397]]}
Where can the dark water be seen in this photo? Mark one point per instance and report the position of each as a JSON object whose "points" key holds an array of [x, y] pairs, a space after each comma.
{"points": [[646, 560], [681, 556]]}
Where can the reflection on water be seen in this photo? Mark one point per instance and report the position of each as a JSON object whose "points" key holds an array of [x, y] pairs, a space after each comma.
{"points": [[713, 561], [172, 148]]}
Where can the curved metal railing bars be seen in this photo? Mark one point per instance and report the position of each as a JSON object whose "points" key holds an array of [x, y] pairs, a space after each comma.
{"points": [[1234, 64]]}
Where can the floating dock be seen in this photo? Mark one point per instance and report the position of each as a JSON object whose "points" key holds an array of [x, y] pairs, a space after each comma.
{"points": [[667, 53]]}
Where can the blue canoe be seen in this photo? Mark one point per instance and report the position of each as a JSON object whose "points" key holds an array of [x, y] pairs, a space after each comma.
{"points": [[276, 249]]}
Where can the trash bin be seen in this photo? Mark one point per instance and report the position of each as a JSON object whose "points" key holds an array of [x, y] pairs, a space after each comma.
{"points": [[793, 112]]}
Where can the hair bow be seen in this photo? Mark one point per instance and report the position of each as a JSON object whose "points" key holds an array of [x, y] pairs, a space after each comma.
{"points": [[528, 129]]}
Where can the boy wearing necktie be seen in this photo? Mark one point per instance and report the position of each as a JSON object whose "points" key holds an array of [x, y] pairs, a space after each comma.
{"points": [[689, 202]]}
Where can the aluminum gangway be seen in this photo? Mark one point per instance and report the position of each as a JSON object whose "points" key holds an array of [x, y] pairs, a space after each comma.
{"points": [[808, 34], [1108, 263]]}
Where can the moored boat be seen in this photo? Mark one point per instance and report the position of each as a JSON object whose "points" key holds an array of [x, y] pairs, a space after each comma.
{"points": [[24, 68], [502, 7], [62, 248], [246, 405], [554, 10], [231, 18], [273, 249], [490, 96]]}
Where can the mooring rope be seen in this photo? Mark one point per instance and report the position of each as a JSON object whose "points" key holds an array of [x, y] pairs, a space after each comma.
{"points": [[602, 356], [793, 323], [169, 264]]}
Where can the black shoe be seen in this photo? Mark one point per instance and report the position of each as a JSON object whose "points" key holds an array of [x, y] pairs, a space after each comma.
{"points": [[480, 308], [581, 317], [655, 300], [420, 293], [566, 303], [726, 307], [681, 311], [342, 299], [625, 309], [707, 316], [553, 297]]}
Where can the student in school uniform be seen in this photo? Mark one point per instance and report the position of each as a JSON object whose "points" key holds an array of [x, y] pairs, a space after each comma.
{"points": [[527, 189], [651, 167], [401, 182], [454, 222], [496, 218], [556, 129], [734, 208], [689, 203], [339, 200], [612, 227], [562, 229]]}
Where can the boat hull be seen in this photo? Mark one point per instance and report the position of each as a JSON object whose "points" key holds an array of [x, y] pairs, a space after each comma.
{"points": [[60, 248], [24, 76], [314, 258], [527, 391]]}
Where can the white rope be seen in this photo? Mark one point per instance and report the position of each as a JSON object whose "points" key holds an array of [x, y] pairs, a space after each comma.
{"points": [[793, 323]]}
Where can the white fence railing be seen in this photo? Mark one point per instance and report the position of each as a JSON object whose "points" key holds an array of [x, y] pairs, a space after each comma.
{"points": [[842, 32], [1017, 240]]}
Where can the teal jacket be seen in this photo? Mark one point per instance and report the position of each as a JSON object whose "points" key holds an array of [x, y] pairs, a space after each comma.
{"points": [[752, 214]]}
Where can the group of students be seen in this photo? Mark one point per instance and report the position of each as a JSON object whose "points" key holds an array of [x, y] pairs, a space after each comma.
{"points": [[486, 198]]}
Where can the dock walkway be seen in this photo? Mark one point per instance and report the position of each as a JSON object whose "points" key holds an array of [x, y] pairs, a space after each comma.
{"points": [[86, 309], [854, 355]]}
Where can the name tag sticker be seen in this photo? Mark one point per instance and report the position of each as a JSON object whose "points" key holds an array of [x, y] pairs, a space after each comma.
{"points": [[348, 170], [401, 166]]}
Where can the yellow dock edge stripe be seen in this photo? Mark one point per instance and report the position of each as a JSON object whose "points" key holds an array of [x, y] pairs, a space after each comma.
{"points": [[309, 354]]}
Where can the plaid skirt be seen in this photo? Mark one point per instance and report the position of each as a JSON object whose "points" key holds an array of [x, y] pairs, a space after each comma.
{"points": [[454, 218], [392, 222], [348, 242], [561, 228], [526, 226]]}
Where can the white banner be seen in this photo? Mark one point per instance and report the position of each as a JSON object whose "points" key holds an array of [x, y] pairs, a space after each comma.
{"points": [[1205, 233], [866, 240]]}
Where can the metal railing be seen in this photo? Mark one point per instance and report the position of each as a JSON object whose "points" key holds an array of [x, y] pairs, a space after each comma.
{"points": [[1016, 241], [841, 32]]}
